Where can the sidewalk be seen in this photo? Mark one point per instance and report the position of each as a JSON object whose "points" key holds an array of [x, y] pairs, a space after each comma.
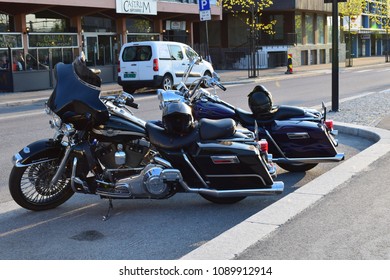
{"points": [[341, 215]]}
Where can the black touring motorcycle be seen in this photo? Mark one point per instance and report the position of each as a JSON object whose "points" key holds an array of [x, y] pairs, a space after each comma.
{"points": [[299, 138], [101, 148]]}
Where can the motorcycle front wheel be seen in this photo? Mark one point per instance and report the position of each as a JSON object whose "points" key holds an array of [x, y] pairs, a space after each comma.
{"points": [[30, 186], [222, 200], [297, 167]]}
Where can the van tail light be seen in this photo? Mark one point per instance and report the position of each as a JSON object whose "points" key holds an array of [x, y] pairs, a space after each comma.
{"points": [[119, 66], [155, 64], [329, 124], [263, 145]]}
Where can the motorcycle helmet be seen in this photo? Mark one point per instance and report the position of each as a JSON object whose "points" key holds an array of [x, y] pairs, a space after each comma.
{"points": [[260, 101], [177, 118]]}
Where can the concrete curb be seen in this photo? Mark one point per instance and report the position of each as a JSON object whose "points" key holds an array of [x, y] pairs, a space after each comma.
{"points": [[230, 244]]}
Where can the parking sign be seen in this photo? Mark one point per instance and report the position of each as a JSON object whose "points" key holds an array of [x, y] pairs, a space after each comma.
{"points": [[204, 10]]}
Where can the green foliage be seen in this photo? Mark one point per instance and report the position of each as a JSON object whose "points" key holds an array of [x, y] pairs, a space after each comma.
{"points": [[352, 8], [250, 12], [382, 14]]}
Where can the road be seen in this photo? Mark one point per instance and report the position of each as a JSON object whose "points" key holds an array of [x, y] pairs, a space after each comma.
{"points": [[146, 229]]}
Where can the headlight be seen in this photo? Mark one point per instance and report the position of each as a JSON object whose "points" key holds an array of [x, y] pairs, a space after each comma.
{"points": [[56, 121]]}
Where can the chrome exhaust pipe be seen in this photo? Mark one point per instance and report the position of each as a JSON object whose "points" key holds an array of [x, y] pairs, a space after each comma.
{"points": [[336, 158], [174, 175], [276, 188]]}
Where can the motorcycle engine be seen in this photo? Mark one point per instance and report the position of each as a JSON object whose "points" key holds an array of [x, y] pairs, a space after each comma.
{"points": [[122, 155], [146, 184]]}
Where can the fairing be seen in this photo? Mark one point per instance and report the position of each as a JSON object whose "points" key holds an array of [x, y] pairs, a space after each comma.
{"points": [[75, 99]]}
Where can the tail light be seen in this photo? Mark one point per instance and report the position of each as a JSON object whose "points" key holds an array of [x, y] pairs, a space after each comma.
{"points": [[119, 66], [329, 124], [263, 145], [155, 64]]}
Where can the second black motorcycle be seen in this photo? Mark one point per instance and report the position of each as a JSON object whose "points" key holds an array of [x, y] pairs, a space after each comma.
{"points": [[299, 138]]}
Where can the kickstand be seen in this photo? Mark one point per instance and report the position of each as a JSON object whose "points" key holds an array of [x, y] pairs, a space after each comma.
{"points": [[110, 206]]}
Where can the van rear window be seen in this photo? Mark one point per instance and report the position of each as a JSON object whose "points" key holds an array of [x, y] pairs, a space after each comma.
{"points": [[137, 53]]}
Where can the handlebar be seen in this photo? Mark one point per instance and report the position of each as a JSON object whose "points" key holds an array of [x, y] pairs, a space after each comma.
{"points": [[122, 99], [131, 104]]}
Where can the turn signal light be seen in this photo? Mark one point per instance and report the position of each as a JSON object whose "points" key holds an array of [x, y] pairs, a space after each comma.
{"points": [[329, 124], [263, 143]]}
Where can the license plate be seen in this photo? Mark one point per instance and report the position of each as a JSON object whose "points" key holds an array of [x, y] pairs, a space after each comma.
{"points": [[130, 75]]}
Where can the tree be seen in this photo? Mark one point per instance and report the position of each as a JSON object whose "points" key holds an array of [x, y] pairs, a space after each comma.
{"points": [[381, 17], [350, 10], [250, 12]]}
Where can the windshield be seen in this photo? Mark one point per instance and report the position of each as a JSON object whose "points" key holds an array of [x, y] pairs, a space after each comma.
{"points": [[75, 98]]}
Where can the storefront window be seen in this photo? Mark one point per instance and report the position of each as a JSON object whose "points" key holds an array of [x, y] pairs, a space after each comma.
{"points": [[100, 42], [139, 25], [140, 30], [35, 23], [57, 47], [175, 31], [5, 23], [12, 40], [98, 24], [52, 40]]}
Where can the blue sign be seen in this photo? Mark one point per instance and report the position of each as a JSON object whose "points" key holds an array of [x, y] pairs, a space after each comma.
{"points": [[204, 5]]}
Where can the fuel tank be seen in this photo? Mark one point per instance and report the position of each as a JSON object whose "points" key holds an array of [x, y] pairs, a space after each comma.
{"points": [[212, 110], [119, 130]]}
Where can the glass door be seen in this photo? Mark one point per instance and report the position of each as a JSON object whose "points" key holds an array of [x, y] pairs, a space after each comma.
{"points": [[91, 49]]}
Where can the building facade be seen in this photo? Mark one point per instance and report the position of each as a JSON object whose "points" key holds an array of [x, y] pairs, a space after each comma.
{"points": [[40, 33], [368, 31], [303, 28]]}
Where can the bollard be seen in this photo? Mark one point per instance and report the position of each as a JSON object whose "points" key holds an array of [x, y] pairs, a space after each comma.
{"points": [[289, 64]]}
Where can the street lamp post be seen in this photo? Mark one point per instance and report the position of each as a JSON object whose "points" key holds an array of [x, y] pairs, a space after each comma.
{"points": [[335, 56]]}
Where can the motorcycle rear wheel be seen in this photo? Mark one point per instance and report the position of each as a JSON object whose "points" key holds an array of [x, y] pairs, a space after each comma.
{"points": [[222, 200], [297, 167], [29, 186]]}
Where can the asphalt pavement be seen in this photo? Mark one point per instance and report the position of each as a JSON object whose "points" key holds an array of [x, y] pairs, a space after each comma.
{"points": [[342, 214]]}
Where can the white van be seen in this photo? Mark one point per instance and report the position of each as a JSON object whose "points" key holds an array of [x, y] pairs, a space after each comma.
{"points": [[157, 64]]}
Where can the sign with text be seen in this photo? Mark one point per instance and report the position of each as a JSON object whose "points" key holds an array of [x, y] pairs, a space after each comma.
{"points": [[144, 7], [47, 40], [12, 40], [204, 10]]}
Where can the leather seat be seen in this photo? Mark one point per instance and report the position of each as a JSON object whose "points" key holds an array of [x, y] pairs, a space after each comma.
{"points": [[277, 113], [215, 129], [205, 130]]}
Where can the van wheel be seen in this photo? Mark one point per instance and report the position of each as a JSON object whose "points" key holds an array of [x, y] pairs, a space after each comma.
{"points": [[167, 82], [207, 73]]}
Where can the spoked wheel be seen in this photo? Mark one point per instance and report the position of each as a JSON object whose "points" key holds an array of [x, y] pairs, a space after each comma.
{"points": [[222, 200], [297, 167], [30, 186]]}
